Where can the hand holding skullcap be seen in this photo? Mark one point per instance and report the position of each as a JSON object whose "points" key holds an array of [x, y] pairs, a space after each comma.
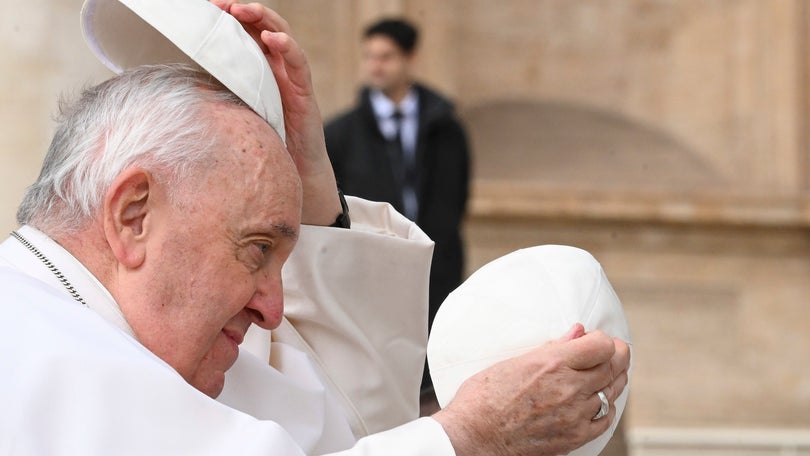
{"points": [[515, 304]]}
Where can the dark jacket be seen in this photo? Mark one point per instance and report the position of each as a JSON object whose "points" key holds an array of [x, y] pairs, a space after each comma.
{"points": [[362, 166]]}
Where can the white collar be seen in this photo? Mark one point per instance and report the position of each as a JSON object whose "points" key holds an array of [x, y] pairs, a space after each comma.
{"points": [[89, 288], [384, 107]]}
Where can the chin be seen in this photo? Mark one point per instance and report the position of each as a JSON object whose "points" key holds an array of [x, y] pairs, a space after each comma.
{"points": [[211, 386], [379, 85], [209, 377]]}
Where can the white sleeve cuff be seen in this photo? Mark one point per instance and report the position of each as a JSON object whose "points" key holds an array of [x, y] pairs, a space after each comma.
{"points": [[423, 437]]}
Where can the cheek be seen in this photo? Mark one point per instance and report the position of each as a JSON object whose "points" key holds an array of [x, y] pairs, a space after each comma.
{"points": [[217, 297], [241, 290], [234, 282], [387, 67]]}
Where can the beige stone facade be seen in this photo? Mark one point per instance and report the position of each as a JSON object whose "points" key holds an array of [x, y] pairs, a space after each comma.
{"points": [[668, 137]]}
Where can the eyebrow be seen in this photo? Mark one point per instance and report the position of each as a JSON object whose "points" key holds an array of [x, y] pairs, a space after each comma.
{"points": [[285, 230]]}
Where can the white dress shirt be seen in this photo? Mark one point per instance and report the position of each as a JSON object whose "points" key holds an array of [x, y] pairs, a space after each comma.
{"points": [[384, 109]]}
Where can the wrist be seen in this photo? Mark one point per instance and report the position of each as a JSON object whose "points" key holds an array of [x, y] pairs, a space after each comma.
{"points": [[343, 220], [321, 205], [465, 439]]}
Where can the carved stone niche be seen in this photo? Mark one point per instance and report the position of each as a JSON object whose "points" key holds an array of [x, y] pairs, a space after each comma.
{"points": [[574, 147], [547, 158]]}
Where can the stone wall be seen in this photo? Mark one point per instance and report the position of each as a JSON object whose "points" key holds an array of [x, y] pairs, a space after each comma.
{"points": [[669, 137]]}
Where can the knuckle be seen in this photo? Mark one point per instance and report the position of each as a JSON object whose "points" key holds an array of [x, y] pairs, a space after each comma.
{"points": [[605, 374], [584, 433], [554, 362], [619, 385], [283, 38], [256, 9]]}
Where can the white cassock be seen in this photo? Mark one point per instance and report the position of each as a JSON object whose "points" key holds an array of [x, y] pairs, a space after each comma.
{"points": [[346, 362]]}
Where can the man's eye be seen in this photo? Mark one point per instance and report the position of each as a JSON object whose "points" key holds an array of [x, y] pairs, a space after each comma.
{"points": [[263, 247]]}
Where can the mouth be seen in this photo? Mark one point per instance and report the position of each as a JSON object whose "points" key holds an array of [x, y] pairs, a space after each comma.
{"points": [[234, 336]]}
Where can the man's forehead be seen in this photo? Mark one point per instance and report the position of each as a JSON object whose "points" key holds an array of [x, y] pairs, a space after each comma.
{"points": [[240, 127], [380, 43], [255, 166]]}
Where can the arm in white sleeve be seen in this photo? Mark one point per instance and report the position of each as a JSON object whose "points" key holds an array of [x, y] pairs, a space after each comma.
{"points": [[356, 302]]}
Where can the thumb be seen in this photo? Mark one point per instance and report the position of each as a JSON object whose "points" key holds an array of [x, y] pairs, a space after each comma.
{"points": [[588, 351], [576, 331], [224, 5]]}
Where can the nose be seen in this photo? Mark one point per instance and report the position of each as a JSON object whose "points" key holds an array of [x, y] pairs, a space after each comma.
{"points": [[266, 306], [373, 62]]}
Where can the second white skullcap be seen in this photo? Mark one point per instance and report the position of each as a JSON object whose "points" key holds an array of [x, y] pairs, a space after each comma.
{"points": [[127, 33], [519, 302]]}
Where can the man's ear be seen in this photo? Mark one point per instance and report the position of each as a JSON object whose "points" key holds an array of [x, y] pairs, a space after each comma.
{"points": [[412, 57], [128, 207]]}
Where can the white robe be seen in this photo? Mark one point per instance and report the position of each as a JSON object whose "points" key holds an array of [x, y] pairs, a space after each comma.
{"points": [[345, 363]]}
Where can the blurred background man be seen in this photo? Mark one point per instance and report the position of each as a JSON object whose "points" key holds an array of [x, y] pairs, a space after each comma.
{"points": [[402, 143]]}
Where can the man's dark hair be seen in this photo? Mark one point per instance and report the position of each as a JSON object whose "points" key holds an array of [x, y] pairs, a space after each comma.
{"points": [[400, 31]]}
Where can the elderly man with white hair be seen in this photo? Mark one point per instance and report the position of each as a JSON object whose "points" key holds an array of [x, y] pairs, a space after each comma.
{"points": [[155, 237]]}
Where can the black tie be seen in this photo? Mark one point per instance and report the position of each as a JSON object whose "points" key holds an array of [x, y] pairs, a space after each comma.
{"points": [[406, 171], [397, 116]]}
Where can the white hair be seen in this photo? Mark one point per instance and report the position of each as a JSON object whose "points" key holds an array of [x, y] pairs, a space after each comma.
{"points": [[152, 117]]}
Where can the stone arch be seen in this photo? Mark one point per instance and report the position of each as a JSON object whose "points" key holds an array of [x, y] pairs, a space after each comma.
{"points": [[566, 145]]}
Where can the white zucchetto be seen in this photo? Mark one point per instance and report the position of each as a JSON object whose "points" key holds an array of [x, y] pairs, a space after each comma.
{"points": [[127, 33], [519, 302]]}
